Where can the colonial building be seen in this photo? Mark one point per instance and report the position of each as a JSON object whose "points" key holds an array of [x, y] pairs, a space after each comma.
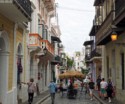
{"points": [[14, 15], [27, 47], [78, 61], [110, 18]]}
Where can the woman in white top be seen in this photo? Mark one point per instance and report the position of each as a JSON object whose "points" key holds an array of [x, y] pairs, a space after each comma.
{"points": [[103, 86]]}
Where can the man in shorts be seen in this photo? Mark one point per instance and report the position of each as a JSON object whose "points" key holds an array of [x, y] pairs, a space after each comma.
{"points": [[103, 86], [91, 88]]}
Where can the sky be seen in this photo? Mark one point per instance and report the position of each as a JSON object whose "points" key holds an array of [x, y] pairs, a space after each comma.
{"points": [[75, 20]]}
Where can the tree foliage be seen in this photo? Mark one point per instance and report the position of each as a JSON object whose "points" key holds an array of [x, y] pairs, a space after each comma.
{"points": [[69, 62]]}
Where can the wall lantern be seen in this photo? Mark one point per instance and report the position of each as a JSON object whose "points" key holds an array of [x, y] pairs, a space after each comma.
{"points": [[42, 52], [114, 36]]}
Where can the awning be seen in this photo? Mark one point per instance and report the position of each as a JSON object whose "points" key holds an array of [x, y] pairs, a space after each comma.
{"points": [[54, 38]]}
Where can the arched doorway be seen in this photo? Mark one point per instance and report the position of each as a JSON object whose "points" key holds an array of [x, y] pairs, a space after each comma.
{"points": [[19, 71], [4, 54]]}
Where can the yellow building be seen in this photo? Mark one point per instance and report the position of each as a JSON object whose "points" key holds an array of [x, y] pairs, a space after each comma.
{"points": [[13, 51]]}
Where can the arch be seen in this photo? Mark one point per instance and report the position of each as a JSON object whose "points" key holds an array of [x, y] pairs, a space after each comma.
{"points": [[4, 36], [4, 57]]}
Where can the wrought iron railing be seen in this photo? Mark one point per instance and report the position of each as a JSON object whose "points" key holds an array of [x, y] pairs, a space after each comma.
{"points": [[25, 4], [96, 52]]}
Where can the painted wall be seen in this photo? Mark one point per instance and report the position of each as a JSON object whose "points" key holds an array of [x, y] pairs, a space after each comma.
{"points": [[115, 69]]}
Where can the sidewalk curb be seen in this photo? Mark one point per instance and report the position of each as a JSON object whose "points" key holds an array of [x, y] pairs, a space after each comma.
{"points": [[101, 101], [43, 99]]}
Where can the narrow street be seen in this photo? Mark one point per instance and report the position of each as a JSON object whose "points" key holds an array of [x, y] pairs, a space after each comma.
{"points": [[81, 99]]}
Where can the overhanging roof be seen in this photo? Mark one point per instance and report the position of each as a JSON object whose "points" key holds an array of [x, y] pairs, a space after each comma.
{"points": [[54, 38], [93, 30], [98, 2], [88, 42]]}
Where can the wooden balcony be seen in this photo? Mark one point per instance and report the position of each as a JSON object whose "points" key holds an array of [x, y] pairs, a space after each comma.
{"points": [[104, 31], [16, 10], [96, 54], [49, 4], [48, 45], [34, 42]]}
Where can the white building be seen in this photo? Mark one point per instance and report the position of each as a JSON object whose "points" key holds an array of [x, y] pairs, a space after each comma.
{"points": [[79, 61]]}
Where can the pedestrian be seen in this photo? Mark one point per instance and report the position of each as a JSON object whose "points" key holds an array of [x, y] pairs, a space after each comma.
{"points": [[109, 90], [61, 87], [82, 85], [98, 81], [91, 88], [103, 86], [31, 90], [52, 87]]}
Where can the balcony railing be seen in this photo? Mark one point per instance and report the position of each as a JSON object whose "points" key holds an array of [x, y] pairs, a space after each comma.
{"points": [[96, 52], [87, 58], [16, 10], [34, 42], [49, 46], [26, 5], [105, 28]]}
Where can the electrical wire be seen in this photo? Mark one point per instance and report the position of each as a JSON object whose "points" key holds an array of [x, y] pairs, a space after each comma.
{"points": [[73, 9]]}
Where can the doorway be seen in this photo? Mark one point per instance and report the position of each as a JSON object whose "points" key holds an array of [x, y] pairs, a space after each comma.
{"points": [[19, 71]]}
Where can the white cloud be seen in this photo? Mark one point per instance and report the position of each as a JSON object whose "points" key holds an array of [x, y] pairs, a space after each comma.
{"points": [[75, 20]]}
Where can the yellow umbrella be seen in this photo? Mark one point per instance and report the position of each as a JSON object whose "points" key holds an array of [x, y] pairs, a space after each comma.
{"points": [[71, 73]]}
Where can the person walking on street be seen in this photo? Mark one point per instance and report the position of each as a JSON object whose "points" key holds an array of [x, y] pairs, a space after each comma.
{"points": [[82, 85], [98, 81], [31, 90], [91, 88], [52, 87], [109, 90], [103, 86], [61, 88]]}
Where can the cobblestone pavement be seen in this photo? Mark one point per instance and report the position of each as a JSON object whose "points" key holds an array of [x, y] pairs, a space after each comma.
{"points": [[82, 99]]}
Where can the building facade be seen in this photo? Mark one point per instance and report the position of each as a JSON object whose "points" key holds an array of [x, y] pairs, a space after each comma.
{"points": [[14, 16], [26, 47], [110, 18]]}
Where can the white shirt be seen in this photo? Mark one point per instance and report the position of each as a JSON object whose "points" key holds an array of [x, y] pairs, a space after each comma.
{"points": [[103, 84]]}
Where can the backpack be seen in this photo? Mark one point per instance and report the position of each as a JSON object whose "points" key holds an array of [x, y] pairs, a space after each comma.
{"points": [[31, 87], [109, 87], [98, 81]]}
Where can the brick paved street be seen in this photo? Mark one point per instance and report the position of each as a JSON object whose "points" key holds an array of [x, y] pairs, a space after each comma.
{"points": [[64, 100]]}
